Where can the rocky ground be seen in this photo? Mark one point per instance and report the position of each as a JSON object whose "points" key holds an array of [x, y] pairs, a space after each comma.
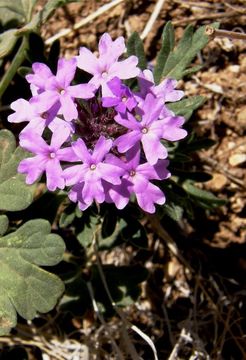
{"points": [[193, 306]]}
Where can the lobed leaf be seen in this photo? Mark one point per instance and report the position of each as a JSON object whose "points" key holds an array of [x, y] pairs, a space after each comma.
{"points": [[14, 193], [27, 289], [11, 10], [7, 42]]}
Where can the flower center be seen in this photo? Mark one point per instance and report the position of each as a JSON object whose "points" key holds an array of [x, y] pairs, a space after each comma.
{"points": [[104, 74], [61, 91], [138, 117], [124, 98], [144, 130], [52, 155], [93, 166], [44, 115], [132, 173]]}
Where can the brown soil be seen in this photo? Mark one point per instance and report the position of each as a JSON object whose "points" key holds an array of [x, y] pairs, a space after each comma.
{"points": [[187, 314]]}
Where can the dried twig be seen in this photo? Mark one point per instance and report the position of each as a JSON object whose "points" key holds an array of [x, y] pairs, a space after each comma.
{"points": [[168, 240], [152, 19], [215, 165], [125, 322], [212, 33], [98, 12], [206, 17]]}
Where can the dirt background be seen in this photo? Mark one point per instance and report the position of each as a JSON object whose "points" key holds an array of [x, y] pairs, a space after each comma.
{"points": [[187, 315]]}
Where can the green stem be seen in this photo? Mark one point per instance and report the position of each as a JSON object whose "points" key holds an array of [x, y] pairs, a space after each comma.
{"points": [[16, 63]]}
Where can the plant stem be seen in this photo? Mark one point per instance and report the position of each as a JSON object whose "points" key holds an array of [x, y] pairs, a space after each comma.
{"points": [[210, 31], [15, 64]]}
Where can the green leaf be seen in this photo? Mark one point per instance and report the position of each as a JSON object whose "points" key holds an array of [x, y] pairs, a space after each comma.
{"points": [[135, 47], [40, 17], [198, 144], [4, 223], [166, 47], [85, 237], [27, 6], [11, 10], [123, 283], [115, 238], [14, 193], [174, 211], [185, 107], [176, 60], [7, 42], [23, 71], [109, 223], [204, 196], [25, 287]]}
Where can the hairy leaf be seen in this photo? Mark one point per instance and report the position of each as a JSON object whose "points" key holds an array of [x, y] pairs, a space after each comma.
{"points": [[203, 196], [14, 193], [186, 107], [27, 289], [174, 211], [135, 47], [166, 47], [173, 62]]}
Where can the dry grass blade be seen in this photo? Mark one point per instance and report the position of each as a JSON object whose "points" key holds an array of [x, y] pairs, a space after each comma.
{"points": [[88, 19]]}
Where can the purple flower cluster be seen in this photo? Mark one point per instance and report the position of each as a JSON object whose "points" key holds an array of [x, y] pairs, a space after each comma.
{"points": [[100, 139]]}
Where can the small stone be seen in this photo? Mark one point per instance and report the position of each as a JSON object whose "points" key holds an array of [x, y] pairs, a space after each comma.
{"points": [[241, 117], [217, 183], [237, 159], [234, 68], [215, 88]]}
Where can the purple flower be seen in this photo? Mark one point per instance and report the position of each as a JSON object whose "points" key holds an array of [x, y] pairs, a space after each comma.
{"points": [[107, 66], [37, 121], [56, 89], [47, 157], [123, 97], [165, 90], [87, 177], [149, 130], [136, 181], [146, 130]]}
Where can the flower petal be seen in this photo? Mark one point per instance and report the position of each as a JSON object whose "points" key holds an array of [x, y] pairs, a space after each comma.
{"points": [[87, 61], [33, 167], [102, 147], [153, 148], [65, 71], [125, 69], [54, 175], [45, 100], [68, 107], [81, 151], [152, 195], [126, 141], [73, 174], [81, 91], [23, 111], [41, 73], [33, 142]]}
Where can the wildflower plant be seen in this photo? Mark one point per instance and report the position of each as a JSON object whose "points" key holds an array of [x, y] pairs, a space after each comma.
{"points": [[109, 138]]}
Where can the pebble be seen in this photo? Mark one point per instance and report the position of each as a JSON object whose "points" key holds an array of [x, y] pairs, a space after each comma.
{"points": [[237, 159], [217, 183], [241, 117]]}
